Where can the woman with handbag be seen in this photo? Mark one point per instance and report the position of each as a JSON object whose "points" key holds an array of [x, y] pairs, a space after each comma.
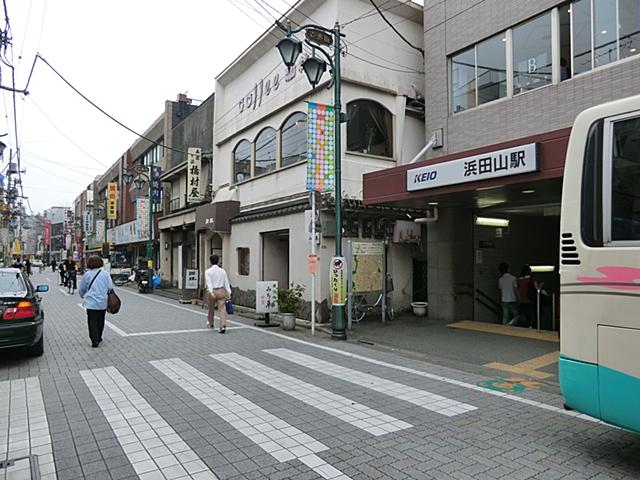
{"points": [[94, 289]]}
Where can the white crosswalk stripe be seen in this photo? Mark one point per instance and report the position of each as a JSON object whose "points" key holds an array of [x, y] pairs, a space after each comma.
{"points": [[421, 398], [154, 449], [356, 414], [275, 436], [24, 429]]}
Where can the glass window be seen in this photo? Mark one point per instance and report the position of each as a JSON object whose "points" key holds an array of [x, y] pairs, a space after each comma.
{"points": [[581, 24], [242, 161], [605, 34], [12, 283], [629, 13], [492, 69], [293, 139], [266, 151], [369, 129], [625, 181], [463, 80], [565, 42], [243, 261], [532, 54]]}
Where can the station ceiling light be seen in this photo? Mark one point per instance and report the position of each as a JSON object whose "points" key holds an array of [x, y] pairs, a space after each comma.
{"points": [[542, 268], [528, 191], [492, 222]]}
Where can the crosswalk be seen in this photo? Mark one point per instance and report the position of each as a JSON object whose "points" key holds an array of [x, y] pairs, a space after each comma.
{"points": [[156, 451]]}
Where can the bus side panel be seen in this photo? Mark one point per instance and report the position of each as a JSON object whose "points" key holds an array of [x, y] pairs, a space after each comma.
{"points": [[579, 384], [619, 376]]}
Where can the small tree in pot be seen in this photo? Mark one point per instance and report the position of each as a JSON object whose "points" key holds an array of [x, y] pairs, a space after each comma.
{"points": [[289, 302]]}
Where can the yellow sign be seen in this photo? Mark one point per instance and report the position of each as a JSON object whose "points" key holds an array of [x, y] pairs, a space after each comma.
{"points": [[17, 250], [338, 281], [112, 197]]}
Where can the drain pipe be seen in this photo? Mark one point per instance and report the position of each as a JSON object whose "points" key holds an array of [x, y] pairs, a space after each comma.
{"points": [[429, 218], [431, 143]]}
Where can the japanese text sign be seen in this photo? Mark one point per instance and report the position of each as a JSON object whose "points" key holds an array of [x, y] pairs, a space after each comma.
{"points": [[501, 163], [338, 280], [112, 197], [156, 184], [267, 297], [194, 175]]}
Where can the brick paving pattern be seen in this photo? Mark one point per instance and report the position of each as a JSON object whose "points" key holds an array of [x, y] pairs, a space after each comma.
{"points": [[157, 389]]}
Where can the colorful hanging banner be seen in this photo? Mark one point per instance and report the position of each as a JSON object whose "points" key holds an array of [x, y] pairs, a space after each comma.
{"points": [[46, 232], [142, 215], [321, 147], [112, 197]]}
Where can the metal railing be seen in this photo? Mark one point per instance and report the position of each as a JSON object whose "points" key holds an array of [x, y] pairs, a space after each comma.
{"points": [[174, 204]]}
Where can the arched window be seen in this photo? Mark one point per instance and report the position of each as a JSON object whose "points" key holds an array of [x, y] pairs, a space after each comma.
{"points": [[293, 146], [242, 161], [369, 129], [265, 151]]}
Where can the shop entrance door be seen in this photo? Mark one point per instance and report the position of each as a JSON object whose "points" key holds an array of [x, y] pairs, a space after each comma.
{"points": [[275, 257]]}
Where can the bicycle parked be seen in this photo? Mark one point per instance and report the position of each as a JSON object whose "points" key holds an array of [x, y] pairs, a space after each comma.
{"points": [[361, 305]]}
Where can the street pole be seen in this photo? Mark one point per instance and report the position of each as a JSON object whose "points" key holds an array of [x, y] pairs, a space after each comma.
{"points": [[338, 328], [150, 244]]}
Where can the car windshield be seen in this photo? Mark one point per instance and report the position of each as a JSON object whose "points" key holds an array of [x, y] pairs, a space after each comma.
{"points": [[12, 284]]}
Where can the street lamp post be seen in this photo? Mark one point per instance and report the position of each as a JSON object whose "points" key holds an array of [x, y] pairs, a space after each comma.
{"points": [[140, 174], [290, 48]]}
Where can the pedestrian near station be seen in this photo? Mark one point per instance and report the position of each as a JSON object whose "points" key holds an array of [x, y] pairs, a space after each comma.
{"points": [[94, 289], [218, 292], [508, 286]]}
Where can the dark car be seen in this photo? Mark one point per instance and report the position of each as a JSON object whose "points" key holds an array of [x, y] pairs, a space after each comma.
{"points": [[21, 316]]}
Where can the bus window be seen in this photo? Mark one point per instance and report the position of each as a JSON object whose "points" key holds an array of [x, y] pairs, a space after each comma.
{"points": [[625, 181], [591, 210]]}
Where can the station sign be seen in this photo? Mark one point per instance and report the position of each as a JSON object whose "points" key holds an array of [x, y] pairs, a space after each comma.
{"points": [[501, 163]]}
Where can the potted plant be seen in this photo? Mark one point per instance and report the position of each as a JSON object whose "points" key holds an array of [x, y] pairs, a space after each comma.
{"points": [[289, 302]]}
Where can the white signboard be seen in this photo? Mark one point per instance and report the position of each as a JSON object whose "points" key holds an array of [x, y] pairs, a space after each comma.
{"points": [[502, 163], [191, 279], [267, 297], [194, 175]]}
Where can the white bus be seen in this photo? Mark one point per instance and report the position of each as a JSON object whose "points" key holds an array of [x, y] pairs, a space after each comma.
{"points": [[600, 265]]}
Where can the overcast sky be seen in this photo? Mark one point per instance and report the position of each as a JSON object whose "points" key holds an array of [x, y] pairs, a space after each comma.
{"points": [[128, 56]]}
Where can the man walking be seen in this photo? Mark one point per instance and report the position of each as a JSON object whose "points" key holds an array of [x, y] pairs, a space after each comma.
{"points": [[218, 292], [508, 286]]}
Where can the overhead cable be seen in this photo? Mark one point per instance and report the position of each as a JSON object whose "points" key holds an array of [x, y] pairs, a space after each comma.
{"points": [[395, 29]]}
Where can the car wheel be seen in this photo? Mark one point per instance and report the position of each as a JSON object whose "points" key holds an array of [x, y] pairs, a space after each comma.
{"points": [[37, 349]]}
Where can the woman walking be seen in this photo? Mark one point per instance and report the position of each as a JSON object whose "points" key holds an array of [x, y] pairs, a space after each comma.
{"points": [[94, 287]]}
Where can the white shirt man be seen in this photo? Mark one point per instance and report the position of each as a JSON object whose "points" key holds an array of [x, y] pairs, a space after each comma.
{"points": [[219, 291], [508, 285]]}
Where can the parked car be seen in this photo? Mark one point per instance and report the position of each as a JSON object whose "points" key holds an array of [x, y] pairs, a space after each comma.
{"points": [[22, 317]]}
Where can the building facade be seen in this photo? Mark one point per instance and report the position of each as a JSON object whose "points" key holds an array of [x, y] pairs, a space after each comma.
{"points": [[504, 84], [260, 149]]}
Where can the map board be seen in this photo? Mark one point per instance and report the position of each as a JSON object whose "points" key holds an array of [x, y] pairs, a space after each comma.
{"points": [[367, 264]]}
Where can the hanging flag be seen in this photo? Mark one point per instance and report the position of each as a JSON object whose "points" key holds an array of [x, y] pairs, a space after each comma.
{"points": [[321, 147], [156, 184]]}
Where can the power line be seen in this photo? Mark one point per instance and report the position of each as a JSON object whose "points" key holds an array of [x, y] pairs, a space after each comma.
{"points": [[370, 13], [395, 29], [408, 70], [153, 142], [66, 136], [385, 66]]}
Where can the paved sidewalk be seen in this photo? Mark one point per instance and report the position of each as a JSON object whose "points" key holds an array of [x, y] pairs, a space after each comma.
{"points": [[165, 398]]}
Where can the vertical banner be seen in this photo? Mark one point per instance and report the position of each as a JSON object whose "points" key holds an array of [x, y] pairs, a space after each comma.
{"points": [[100, 230], [46, 234], [112, 197], [88, 222], [142, 217], [338, 281], [156, 184], [321, 147], [194, 175]]}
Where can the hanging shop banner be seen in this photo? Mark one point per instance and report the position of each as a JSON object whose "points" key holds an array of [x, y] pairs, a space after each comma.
{"points": [[99, 231], [338, 281], [321, 147], [194, 175], [502, 163], [112, 197], [46, 233], [156, 184], [142, 214], [88, 222]]}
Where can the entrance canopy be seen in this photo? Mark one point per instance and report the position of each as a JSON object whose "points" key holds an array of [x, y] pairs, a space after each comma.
{"points": [[522, 173]]}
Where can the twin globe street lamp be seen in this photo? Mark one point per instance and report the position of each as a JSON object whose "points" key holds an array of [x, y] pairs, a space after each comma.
{"points": [[141, 174], [290, 48]]}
